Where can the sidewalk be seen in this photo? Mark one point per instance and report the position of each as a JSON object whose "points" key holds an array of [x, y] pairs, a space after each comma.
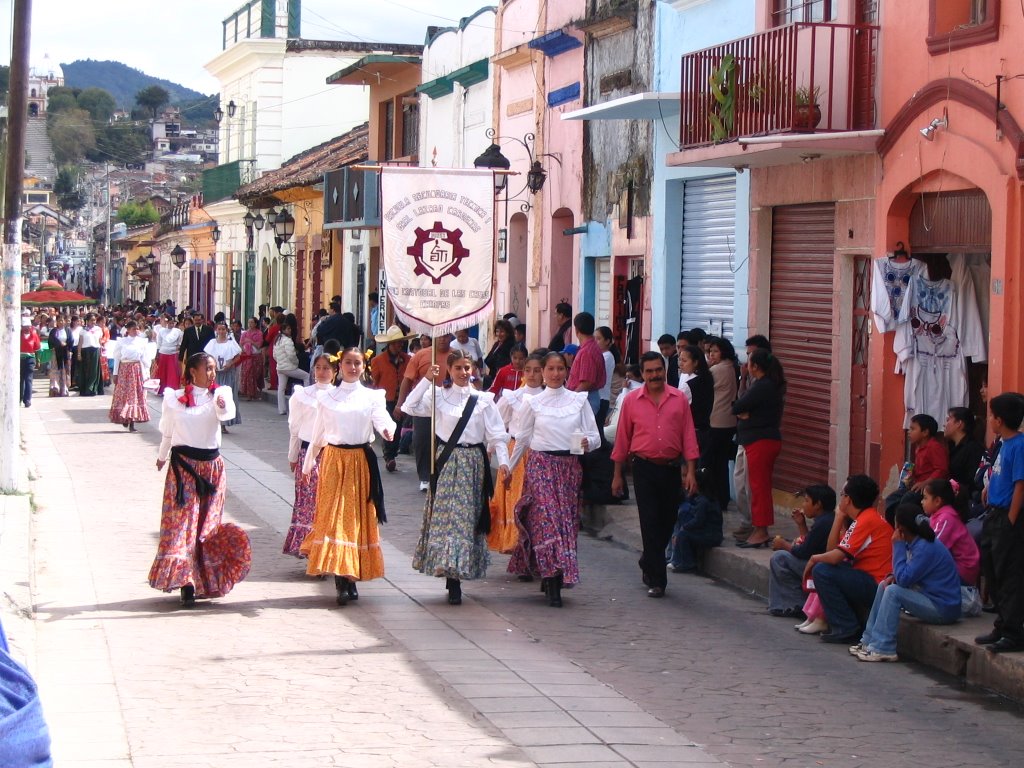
{"points": [[950, 649]]}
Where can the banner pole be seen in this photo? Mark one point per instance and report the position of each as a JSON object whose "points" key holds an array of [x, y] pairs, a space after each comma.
{"points": [[433, 413]]}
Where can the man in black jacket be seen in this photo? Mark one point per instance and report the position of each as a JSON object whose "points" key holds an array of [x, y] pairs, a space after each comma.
{"points": [[196, 338], [339, 327]]}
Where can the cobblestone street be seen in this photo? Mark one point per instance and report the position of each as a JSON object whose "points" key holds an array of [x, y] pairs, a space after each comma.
{"points": [[277, 674]]}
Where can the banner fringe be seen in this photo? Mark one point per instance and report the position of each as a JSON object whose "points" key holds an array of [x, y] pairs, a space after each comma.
{"points": [[418, 326]]}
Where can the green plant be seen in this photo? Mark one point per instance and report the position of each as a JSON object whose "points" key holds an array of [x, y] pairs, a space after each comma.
{"points": [[807, 97], [767, 85], [723, 81]]}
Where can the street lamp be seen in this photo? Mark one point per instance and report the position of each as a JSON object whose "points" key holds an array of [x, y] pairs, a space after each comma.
{"points": [[493, 158], [284, 228], [231, 108], [248, 219], [178, 256], [259, 221], [215, 233], [271, 216], [218, 114], [151, 258]]}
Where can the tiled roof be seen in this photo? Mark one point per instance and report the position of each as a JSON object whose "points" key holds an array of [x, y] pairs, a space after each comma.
{"points": [[308, 168]]}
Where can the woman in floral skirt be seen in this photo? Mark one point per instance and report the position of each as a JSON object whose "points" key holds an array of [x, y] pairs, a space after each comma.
{"points": [[128, 406], [456, 519], [250, 376], [301, 417], [549, 510], [345, 540], [198, 554]]}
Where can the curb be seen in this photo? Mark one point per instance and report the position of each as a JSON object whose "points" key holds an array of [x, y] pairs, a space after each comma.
{"points": [[950, 649]]}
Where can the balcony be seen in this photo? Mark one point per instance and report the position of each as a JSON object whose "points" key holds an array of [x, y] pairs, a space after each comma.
{"points": [[798, 79], [222, 182]]}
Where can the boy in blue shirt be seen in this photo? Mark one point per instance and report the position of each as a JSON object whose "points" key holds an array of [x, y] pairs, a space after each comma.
{"points": [[1003, 534]]}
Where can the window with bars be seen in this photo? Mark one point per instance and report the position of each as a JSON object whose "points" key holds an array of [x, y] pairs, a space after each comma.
{"points": [[410, 128], [789, 11]]}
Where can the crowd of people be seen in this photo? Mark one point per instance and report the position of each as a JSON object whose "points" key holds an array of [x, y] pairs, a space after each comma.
{"points": [[500, 440]]}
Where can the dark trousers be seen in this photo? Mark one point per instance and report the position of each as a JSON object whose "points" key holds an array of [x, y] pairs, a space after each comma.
{"points": [[721, 449], [1004, 542], [391, 446], [602, 415], [421, 446], [846, 594], [28, 367], [658, 491]]}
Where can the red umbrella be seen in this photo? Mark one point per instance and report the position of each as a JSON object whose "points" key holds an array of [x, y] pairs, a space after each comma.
{"points": [[52, 294]]}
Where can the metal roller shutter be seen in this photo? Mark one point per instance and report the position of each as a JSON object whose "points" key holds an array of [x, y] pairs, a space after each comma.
{"points": [[801, 330], [709, 248], [603, 292]]}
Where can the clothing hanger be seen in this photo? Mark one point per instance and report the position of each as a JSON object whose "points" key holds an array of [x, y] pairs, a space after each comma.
{"points": [[900, 254]]}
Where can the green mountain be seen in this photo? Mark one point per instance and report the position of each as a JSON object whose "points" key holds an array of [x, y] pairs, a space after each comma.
{"points": [[122, 82]]}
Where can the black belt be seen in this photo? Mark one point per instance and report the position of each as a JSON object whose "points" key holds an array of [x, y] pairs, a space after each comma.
{"points": [[676, 462], [993, 509], [304, 445], [557, 453], [483, 522], [376, 486], [178, 465]]}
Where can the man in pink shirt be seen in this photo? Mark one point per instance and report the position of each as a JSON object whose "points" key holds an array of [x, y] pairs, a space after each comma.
{"points": [[587, 373], [656, 434]]}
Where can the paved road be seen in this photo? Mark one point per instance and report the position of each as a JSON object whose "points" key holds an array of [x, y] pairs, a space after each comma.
{"points": [[276, 674]]}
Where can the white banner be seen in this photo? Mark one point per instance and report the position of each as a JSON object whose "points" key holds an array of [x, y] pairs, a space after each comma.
{"points": [[437, 230]]}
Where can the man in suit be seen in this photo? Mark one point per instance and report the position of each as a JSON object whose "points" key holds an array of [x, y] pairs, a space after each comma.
{"points": [[195, 339]]}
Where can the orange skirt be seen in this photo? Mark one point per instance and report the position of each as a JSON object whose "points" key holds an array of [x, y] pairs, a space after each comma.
{"points": [[504, 534], [344, 540]]}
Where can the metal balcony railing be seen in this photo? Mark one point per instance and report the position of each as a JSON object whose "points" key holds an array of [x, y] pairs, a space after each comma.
{"points": [[798, 78]]}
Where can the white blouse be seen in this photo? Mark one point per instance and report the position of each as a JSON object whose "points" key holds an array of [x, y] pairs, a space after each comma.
{"points": [[168, 340], [199, 426], [484, 426], [549, 419], [131, 349], [90, 338], [511, 404], [347, 415], [222, 351], [302, 408]]}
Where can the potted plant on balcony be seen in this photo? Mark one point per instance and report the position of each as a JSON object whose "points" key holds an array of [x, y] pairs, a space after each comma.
{"points": [[806, 112]]}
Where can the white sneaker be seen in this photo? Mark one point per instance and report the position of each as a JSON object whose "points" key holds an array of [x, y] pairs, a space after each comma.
{"points": [[815, 627], [803, 624], [424, 485], [867, 655], [856, 649]]}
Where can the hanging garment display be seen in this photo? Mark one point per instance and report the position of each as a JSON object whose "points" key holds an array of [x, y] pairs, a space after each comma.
{"points": [[890, 281]]}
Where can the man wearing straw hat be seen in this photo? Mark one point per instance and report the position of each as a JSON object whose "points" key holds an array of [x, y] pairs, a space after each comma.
{"points": [[387, 370]]}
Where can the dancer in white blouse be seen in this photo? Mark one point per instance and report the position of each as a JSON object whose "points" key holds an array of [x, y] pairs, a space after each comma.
{"points": [[554, 425], [301, 415], [345, 539], [131, 354], [228, 355], [197, 553], [504, 535], [168, 341], [456, 519]]}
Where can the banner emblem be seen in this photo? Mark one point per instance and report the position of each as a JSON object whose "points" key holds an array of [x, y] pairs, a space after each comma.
{"points": [[438, 252]]}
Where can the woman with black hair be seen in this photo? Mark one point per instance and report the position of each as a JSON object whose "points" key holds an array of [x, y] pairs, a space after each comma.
{"points": [[456, 518], [287, 349], [721, 447], [128, 405], [197, 553], [924, 583], [697, 382], [759, 414], [501, 351]]}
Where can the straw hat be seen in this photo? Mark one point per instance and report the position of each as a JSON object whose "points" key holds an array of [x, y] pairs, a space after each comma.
{"points": [[394, 333]]}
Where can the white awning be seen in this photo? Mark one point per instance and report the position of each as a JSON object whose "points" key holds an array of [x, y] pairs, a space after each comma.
{"points": [[652, 105], [777, 149]]}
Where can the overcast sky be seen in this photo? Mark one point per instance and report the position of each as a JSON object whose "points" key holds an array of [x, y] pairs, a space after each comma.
{"points": [[173, 39]]}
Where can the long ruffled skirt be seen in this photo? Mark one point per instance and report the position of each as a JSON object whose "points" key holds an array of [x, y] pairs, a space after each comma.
{"points": [[345, 539], [129, 401], [224, 557], [449, 544], [250, 377], [548, 515], [168, 371], [304, 507], [504, 535]]}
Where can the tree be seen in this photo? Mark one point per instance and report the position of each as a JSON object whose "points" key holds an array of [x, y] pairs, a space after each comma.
{"points": [[98, 103], [120, 143], [61, 101], [72, 135], [152, 98], [133, 214], [66, 188]]}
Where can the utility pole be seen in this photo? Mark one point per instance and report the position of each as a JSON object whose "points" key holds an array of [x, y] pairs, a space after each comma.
{"points": [[10, 317]]}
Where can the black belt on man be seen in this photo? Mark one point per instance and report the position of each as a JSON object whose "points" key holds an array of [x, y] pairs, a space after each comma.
{"points": [[483, 522], [676, 462], [178, 465], [376, 486]]}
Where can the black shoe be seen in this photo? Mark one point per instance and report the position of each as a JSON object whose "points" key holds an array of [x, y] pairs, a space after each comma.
{"points": [[341, 585], [1006, 645], [188, 596], [989, 608], [992, 637], [525, 577], [554, 591], [390, 465], [833, 637], [353, 593], [787, 613], [454, 587], [656, 592]]}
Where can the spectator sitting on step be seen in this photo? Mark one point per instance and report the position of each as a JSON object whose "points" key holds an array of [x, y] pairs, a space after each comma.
{"points": [[930, 460], [847, 575], [785, 578], [698, 527], [924, 582], [943, 504]]}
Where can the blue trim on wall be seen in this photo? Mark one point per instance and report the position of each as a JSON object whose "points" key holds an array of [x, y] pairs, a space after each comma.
{"points": [[564, 95]]}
